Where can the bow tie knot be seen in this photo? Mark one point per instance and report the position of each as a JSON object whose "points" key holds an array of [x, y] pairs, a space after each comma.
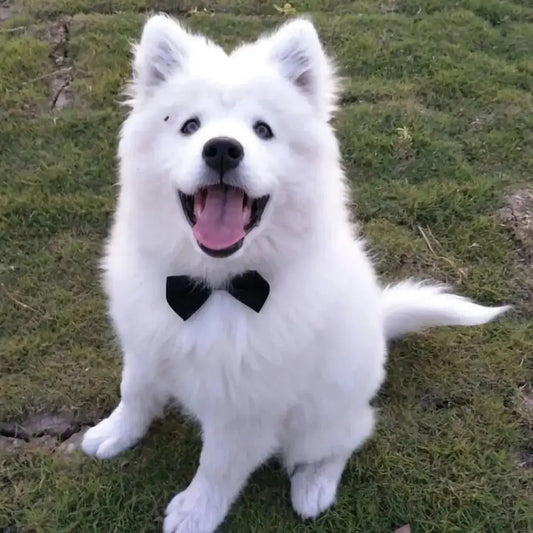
{"points": [[185, 295]]}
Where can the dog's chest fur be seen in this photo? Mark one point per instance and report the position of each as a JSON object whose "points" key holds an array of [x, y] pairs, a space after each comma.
{"points": [[226, 356]]}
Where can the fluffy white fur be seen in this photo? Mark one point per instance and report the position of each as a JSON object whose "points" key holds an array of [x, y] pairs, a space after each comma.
{"points": [[297, 378]]}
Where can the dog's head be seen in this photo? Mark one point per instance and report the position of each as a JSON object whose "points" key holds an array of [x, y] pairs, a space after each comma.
{"points": [[239, 145]]}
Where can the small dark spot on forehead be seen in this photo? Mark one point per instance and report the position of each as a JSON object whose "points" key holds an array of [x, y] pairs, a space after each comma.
{"points": [[166, 118]]}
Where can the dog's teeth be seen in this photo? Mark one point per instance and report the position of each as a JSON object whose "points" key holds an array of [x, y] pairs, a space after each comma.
{"points": [[246, 213], [199, 202]]}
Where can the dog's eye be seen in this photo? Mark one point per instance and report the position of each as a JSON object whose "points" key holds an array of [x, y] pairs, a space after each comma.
{"points": [[263, 130], [190, 126]]}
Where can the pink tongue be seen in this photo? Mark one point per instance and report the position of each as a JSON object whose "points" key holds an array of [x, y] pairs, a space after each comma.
{"points": [[220, 224]]}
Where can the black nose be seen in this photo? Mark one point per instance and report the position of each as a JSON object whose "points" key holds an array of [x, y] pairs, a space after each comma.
{"points": [[222, 153]]}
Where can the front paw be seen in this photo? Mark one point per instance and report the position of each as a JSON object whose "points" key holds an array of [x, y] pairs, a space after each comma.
{"points": [[312, 491], [110, 437], [194, 511]]}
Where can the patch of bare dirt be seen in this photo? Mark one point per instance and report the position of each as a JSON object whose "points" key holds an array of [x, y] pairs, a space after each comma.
{"points": [[61, 79], [483, 120], [525, 459], [57, 433], [61, 426], [11, 444], [517, 217], [527, 401], [73, 443], [8, 9], [525, 405], [404, 529]]}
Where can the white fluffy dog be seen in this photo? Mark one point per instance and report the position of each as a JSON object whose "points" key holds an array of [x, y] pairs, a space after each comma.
{"points": [[271, 328]]}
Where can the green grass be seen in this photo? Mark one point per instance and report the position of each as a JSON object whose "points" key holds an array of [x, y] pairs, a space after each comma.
{"points": [[436, 127]]}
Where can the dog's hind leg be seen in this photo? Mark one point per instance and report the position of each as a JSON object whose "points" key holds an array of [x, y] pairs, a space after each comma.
{"points": [[316, 457], [141, 401]]}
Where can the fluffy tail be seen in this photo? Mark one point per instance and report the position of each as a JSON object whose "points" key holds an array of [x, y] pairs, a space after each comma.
{"points": [[410, 306]]}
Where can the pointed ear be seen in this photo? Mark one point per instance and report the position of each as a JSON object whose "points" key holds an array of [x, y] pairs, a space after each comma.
{"points": [[164, 49], [295, 48]]}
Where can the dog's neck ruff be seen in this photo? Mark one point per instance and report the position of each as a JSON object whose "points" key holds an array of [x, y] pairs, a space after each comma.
{"points": [[185, 295]]}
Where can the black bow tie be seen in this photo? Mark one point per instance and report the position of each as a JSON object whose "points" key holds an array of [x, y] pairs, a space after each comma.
{"points": [[186, 295]]}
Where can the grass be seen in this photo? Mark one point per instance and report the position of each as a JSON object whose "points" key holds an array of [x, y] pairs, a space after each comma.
{"points": [[436, 127]]}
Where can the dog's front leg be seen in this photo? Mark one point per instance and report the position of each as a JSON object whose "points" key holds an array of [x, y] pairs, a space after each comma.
{"points": [[229, 455], [141, 401]]}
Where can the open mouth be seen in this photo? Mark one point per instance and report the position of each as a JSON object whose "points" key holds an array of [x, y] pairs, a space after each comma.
{"points": [[221, 216]]}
